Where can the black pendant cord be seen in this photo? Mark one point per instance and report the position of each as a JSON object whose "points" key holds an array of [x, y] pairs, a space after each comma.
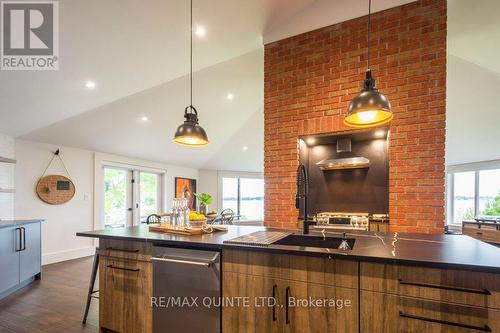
{"points": [[369, 28], [191, 57]]}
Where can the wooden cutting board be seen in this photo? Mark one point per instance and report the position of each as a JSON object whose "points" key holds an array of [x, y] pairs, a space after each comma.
{"points": [[182, 231]]}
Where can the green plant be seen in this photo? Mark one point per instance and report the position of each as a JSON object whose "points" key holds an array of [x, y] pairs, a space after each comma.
{"points": [[493, 207], [204, 198]]}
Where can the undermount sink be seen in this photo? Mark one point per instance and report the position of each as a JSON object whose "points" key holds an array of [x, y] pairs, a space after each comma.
{"points": [[314, 241]]}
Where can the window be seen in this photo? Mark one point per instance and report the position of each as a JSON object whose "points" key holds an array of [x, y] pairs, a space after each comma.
{"points": [[116, 197], [130, 195], [473, 193], [149, 196], [245, 196]]}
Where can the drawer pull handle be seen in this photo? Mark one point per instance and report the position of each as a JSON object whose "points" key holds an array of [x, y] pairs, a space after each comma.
{"points": [[274, 305], [484, 328], [438, 286], [122, 250], [124, 268], [287, 305]]}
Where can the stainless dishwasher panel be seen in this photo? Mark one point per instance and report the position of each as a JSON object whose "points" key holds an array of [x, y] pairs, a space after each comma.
{"points": [[181, 276]]}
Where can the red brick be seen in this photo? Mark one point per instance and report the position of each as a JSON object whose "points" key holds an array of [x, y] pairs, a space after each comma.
{"points": [[309, 80]]}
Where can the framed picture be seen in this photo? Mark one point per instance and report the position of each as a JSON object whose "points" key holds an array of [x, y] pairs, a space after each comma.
{"points": [[186, 188]]}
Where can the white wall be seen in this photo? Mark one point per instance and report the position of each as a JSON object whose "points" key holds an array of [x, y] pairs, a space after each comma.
{"points": [[473, 116], [6, 178], [62, 222], [208, 182]]}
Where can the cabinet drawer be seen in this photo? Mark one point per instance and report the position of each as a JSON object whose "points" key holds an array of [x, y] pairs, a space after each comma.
{"points": [[454, 286], [125, 249], [125, 290], [326, 271], [387, 313], [485, 234]]}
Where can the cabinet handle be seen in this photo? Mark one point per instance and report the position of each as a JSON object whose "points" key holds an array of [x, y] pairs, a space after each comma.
{"points": [[23, 229], [124, 268], [274, 305], [19, 246], [484, 328], [444, 287], [287, 296], [122, 250]]}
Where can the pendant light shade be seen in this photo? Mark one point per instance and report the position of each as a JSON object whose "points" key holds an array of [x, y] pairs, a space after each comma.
{"points": [[190, 133], [370, 108]]}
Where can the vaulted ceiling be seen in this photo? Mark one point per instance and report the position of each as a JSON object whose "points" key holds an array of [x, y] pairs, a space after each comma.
{"points": [[137, 54]]}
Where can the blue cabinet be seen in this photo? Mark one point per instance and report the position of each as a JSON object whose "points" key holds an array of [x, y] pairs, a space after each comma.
{"points": [[30, 255], [9, 257], [20, 255]]}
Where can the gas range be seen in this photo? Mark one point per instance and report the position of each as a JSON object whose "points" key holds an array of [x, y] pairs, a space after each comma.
{"points": [[342, 220]]}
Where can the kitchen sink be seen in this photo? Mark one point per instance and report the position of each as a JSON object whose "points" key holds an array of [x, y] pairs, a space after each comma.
{"points": [[314, 241]]}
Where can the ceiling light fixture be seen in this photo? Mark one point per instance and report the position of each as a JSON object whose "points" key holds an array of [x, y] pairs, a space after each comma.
{"points": [[190, 133], [144, 118], [230, 96], [90, 85], [245, 148], [200, 31], [370, 108]]}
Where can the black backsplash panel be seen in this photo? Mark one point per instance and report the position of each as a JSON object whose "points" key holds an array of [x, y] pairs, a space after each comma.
{"points": [[353, 190]]}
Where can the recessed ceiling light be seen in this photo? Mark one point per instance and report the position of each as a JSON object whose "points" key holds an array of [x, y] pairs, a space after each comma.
{"points": [[90, 85], [144, 118], [245, 148], [311, 141], [200, 31], [230, 96]]}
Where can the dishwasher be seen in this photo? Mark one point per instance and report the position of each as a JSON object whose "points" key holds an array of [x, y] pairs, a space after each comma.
{"points": [[186, 290]]}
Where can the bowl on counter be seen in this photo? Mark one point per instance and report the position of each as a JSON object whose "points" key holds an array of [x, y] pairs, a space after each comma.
{"points": [[197, 223]]}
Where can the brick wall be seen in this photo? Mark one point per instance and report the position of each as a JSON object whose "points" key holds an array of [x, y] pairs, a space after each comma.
{"points": [[310, 79]]}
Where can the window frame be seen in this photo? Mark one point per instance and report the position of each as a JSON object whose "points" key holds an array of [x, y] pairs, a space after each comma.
{"points": [[133, 190], [451, 170], [238, 175]]}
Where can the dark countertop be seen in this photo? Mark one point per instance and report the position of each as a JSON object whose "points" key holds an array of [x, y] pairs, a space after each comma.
{"points": [[10, 223], [444, 251]]}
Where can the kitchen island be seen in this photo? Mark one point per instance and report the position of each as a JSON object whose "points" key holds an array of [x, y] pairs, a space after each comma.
{"points": [[386, 283]]}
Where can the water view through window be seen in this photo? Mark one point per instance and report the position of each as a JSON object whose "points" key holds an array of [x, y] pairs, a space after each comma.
{"points": [[245, 196], [465, 190]]}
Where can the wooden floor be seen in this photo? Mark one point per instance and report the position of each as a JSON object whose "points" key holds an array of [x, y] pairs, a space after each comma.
{"points": [[53, 305]]}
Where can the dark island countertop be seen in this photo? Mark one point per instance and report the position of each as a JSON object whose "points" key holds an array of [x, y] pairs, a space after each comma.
{"points": [[10, 223], [443, 251]]}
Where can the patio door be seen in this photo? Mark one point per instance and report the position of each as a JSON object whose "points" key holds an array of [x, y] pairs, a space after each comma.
{"points": [[118, 197], [130, 196]]}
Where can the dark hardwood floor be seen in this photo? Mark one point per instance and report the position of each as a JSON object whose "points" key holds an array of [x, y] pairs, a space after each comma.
{"points": [[53, 305]]}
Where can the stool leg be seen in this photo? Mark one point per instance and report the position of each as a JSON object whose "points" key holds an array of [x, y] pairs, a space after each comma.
{"points": [[95, 265]]}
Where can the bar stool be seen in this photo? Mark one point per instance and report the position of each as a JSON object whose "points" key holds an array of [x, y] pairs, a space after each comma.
{"points": [[91, 293]]}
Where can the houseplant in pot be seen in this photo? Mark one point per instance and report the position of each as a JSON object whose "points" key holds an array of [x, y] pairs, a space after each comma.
{"points": [[205, 200]]}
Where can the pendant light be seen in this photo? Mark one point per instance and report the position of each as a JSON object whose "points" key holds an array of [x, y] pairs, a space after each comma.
{"points": [[190, 133], [370, 108]]}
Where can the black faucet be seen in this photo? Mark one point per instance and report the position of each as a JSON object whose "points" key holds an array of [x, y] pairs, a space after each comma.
{"points": [[302, 192]]}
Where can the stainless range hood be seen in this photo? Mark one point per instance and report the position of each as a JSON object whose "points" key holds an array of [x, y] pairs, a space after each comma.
{"points": [[344, 146]]}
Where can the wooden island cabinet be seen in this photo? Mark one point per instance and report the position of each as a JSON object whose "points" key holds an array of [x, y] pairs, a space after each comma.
{"points": [[382, 297], [308, 290]]}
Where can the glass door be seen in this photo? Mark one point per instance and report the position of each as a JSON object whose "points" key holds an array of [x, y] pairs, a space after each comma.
{"points": [[149, 194], [130, 196], [117, 197]]}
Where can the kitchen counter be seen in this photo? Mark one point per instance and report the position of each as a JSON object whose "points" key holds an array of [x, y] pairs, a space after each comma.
{"points": [[443, 251], [10, 223]]}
